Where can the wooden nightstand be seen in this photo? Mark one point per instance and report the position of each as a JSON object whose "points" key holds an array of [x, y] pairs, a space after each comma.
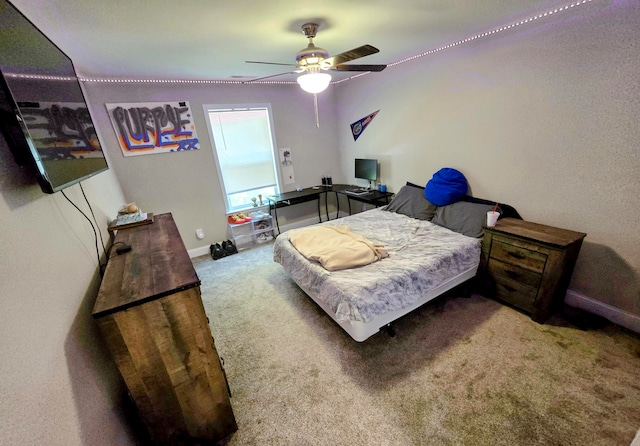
{"points": [[528, 265]]}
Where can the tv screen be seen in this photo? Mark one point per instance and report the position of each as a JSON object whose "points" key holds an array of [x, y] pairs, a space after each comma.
{"points": [[367, 169], [44, 116]]}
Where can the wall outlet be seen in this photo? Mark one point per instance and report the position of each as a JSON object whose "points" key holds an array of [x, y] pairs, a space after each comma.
{"points": [[199, 233]]}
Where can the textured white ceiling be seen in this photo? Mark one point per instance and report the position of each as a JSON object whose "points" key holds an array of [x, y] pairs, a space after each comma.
{"points": [[212, 39]]}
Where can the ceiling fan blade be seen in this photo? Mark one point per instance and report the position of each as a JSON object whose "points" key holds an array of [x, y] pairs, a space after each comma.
{"points": [[356, 53], [271, 75], [271, 63], [374, 68]]}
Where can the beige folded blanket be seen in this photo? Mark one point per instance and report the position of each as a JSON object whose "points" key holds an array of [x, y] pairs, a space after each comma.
{"points": [[336, 247]]}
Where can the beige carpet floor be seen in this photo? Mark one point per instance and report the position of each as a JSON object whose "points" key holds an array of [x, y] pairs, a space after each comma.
{"points": [[460, 371]]}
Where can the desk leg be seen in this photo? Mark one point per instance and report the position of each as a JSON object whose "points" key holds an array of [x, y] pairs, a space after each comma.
{"points": [[326, 204], [319, 212], [275, 214], [349, 201]]}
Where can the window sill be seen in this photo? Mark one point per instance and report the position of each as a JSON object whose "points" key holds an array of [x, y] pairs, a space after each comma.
{"points": [[249, 209]]}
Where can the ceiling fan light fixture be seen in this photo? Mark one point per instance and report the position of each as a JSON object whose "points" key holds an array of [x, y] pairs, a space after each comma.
{"points": [[314, 82]]}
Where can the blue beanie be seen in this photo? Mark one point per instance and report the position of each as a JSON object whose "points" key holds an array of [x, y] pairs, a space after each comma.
{"points": [[447, 186]]}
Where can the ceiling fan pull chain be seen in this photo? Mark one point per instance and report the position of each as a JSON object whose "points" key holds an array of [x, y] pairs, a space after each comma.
{"points": [[315, 105]]}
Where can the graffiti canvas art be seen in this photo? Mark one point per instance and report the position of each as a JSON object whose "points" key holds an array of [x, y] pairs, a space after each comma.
{"points": [[153, 127]]}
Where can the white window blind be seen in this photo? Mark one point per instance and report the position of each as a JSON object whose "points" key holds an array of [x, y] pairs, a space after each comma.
{"points": [[244, 152]]}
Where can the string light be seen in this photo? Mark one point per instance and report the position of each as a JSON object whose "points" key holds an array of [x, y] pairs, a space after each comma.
{"points": [[175, 81], [488, 33], [41, 77], [401, 61], [473, 38]]}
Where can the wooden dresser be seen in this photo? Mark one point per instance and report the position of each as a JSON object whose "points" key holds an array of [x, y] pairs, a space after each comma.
{"points": [[528, 265], [150, 313]]}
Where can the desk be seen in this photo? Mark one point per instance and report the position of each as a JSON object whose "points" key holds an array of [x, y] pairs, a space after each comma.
{"points": [[297, 197], [313, 193], [374, 197]]}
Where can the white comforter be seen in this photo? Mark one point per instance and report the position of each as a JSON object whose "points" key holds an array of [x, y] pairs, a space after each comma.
{"points": [[421, 257]]}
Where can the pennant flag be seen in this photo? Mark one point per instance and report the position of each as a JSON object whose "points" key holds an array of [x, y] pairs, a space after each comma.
{"points": [[358, 127]]}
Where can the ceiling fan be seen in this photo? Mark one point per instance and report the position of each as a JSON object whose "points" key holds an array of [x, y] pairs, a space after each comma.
{"points": [[313, 63]]}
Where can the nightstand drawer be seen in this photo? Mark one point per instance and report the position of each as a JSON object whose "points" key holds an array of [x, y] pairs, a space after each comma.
{"points": [[515, 293], [514, 273], [523, 257]]}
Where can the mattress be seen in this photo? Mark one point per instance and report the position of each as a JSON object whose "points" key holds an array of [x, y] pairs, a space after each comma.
{"points": [[422, 257]]}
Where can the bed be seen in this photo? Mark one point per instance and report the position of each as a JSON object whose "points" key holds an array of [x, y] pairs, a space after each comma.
{"points": [[431, 249]]}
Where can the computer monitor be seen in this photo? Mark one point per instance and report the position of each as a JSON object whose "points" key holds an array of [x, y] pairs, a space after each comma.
{"points": [[366, 169]]}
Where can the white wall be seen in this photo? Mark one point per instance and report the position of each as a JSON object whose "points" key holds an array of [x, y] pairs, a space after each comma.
{"points": [[59, 384], [186, 183], [543, 117]]}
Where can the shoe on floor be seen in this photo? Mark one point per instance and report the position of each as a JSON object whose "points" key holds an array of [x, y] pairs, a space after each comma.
{"points": [[230, 247], [216, 251]]}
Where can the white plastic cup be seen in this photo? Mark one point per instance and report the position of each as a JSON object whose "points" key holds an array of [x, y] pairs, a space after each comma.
{"points": [[492, 218]]}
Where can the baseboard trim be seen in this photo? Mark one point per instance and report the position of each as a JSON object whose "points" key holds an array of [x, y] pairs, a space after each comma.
{"points": [[197, 252], [613, 314]]}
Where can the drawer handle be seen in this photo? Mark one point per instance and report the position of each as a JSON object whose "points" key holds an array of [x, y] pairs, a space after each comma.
{"points": [[513, 274], [516, 255], [508, 288]]}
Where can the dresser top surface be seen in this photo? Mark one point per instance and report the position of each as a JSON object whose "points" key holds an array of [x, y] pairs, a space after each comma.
{"points": [[537, 232], [157, 265]]}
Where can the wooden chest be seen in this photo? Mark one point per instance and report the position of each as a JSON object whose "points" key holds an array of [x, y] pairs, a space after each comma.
{"points": [[150, 313], [528, 265]]}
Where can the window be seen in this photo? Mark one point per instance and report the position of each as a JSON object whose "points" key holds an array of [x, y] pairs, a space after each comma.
{"points": [[244, 149]]}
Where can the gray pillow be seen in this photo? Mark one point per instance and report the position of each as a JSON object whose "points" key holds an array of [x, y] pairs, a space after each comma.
{"points": [[410, 201], [464, 217]]}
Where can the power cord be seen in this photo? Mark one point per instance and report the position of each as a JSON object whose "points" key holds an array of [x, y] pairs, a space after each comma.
{"points": [[93, 215], [120, 250], [91, 223]]}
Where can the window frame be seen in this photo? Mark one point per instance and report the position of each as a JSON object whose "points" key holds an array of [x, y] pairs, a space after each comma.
{"points": [[207, 108]]}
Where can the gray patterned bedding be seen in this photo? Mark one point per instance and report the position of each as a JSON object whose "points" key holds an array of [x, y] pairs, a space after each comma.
{"points": [[422, 256]]}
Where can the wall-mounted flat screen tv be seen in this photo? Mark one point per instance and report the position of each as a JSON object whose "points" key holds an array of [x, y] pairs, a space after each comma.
{"points": [[366, 169], [44, 116]]}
